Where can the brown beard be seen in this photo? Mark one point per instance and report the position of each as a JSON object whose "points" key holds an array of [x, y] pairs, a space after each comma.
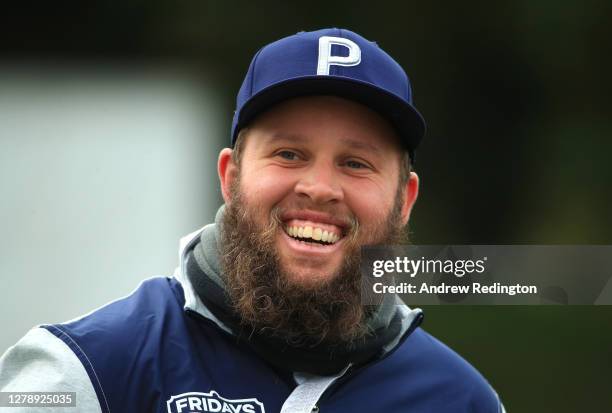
{"points": [[266, 300]]}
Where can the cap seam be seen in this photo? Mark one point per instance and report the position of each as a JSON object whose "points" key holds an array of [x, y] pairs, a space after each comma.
{"points": [[253, 71], [339, 70]]}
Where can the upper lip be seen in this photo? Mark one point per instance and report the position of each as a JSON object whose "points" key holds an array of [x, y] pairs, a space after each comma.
{"points": [[315, 216]]}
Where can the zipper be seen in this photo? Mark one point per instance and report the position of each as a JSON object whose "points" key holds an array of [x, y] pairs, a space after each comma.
{"points": [[353, 370]]}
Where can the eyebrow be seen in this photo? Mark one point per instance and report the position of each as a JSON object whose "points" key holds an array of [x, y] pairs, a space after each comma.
{"points": [[360, 145], [353, 143], [291, 137]]}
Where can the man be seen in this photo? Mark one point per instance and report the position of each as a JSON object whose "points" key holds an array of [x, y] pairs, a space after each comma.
{"points": [[264, 313]]}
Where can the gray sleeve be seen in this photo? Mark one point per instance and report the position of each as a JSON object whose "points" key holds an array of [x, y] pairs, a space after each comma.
{"points": [[42, 362]]}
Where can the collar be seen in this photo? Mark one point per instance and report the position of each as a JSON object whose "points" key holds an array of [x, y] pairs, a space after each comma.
{"points": [[192, 300]]}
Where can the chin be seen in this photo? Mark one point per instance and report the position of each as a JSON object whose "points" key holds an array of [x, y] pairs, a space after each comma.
{"points": [[309, 278]]}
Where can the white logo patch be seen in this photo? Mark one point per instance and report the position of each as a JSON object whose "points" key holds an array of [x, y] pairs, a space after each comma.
{"points": [[193, 402], [326, 59]]}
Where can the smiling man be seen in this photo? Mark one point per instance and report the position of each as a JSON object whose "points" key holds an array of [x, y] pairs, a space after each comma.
{"points": [[311, 181], [264, 313]]}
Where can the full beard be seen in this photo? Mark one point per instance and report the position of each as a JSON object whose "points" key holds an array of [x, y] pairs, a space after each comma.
{"points": [[266, 299]]}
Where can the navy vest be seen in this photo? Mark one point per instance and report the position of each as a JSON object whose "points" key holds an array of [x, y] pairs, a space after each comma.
{"points": [[146, 353]]}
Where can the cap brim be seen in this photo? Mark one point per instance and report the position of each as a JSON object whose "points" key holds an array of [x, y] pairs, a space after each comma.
{"points": [[404, 117]]}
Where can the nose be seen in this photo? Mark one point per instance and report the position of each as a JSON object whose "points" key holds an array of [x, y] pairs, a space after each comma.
{"points": [[320, 184]]}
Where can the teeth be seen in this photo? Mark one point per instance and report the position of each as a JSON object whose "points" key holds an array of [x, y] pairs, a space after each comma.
{"points": [[307, 232], [315, 233]]}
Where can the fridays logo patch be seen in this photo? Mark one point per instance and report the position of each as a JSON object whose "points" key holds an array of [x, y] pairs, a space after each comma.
{"points": [[196, 402]]}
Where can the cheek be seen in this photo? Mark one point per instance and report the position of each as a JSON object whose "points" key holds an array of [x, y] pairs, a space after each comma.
{"points": [[371, 203], [263, 189]]}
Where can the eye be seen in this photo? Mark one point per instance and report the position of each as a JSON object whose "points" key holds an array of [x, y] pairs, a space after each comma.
{"points": [[355, 165], [288, 155]]}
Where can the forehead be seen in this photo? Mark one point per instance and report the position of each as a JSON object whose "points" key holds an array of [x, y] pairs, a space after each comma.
{"points": [[325, 122]]}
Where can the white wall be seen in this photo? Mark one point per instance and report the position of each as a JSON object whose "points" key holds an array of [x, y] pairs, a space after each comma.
{"points": [[102, 169]]}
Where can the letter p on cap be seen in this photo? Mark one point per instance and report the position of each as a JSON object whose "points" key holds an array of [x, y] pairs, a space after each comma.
{"points": [[326, 59]]}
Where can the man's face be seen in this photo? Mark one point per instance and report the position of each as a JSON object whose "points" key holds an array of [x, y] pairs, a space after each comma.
{"points": [[329, 168]]}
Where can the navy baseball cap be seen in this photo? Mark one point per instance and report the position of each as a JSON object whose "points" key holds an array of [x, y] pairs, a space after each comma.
{"points": [[329, 62]]}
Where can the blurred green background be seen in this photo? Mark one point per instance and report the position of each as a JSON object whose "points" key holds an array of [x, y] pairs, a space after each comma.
{"points": [[517, 99]]}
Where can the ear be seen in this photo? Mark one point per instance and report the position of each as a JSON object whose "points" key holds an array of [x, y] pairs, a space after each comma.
{"points": [[227, 170], [411, 192]]}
